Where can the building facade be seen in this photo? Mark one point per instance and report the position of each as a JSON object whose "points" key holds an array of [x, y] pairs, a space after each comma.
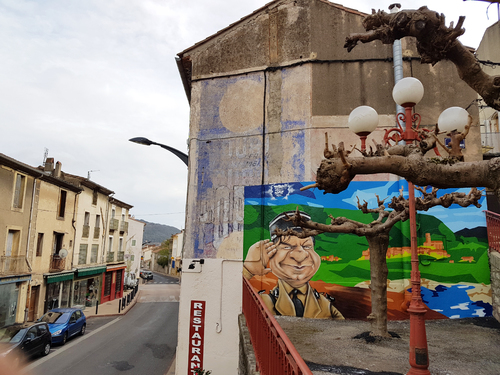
{"points": [[134, 246], [63, 241], [262, 93]]}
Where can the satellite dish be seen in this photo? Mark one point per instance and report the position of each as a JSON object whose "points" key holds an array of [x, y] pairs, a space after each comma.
{"points": [[63, 253]]}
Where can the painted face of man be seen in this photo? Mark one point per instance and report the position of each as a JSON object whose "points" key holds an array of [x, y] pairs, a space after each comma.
{"points": [[295, 260]]}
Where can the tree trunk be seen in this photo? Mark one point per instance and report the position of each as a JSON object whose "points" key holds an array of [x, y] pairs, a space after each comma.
{"points": [[378, 272]]}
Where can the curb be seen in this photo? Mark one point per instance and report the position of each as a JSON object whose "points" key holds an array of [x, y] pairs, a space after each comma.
{"points": [[118, 314]]}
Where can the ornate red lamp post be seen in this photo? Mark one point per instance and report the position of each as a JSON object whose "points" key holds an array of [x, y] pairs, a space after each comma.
{"points": [[407, 93]]}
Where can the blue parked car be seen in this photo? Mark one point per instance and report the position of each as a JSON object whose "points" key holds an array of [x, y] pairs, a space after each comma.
{"points": [[65, 323]]}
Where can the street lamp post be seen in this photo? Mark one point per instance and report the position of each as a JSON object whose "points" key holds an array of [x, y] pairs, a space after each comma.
{"points": [[407, 93], [144, 141]]}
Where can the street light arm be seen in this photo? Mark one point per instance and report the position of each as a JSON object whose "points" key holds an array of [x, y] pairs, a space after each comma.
{"points": [[181, 155], [144, 141]]}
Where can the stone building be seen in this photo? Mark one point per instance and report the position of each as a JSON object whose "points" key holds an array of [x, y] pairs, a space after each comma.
{"points": [[262, 93]]}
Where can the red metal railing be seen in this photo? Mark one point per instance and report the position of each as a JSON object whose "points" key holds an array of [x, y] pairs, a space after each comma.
{"points": [[493, 225], [274, 351]]}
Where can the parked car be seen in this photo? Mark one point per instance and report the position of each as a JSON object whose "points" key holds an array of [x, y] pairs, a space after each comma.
{"points": [[65, 323], [130, 281], [146, 275], [29, 339]]}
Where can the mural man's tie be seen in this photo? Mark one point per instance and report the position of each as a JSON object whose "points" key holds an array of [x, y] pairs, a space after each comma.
{"points": [[299, 306]]}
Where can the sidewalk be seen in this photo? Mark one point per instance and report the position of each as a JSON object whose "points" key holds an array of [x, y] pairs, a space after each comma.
{"points": [[112, 308]]}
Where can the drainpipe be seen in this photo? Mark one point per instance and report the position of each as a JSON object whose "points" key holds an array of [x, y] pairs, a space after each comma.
{"points": [[397, 53], [73, 222], [28, 295]]}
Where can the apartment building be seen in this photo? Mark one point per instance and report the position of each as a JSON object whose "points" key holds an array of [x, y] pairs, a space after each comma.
{"points": [[17, 187], [62, 241]]}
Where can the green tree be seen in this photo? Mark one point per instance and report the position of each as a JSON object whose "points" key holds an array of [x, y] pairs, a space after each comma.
{"points": [[165, 253]]}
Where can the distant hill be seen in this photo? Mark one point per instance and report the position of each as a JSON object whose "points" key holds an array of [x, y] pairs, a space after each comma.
{"points": [[157, 233], [479, 232]]}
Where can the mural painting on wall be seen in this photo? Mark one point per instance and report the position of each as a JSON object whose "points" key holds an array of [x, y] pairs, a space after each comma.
{"points": [[329, 276]]}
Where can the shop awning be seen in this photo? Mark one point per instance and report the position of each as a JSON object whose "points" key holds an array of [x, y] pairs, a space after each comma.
{"points": [[60, 277], [91, 271]]}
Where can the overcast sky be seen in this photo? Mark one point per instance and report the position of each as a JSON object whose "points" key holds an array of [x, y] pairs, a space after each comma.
{"points": [[81, 77]]}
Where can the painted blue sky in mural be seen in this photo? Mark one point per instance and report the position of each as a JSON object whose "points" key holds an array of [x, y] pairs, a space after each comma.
{"points": [[455, 217]]}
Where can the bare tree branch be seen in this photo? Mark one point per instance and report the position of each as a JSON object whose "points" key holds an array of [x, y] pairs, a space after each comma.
{"points": [[435, 42]]}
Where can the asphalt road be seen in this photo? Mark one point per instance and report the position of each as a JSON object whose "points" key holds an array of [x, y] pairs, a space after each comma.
{"points": [[141, 342]]}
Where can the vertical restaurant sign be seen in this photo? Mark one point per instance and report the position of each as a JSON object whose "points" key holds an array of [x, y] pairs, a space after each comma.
{"points": [[196, 336]]}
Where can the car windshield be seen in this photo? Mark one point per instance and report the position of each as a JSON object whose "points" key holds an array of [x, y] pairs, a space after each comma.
{"points": [[12, 334], [53, 317]]}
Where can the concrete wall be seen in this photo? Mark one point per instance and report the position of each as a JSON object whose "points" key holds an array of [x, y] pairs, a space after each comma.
{"points": [[263, 93], [495, 282], [488, 50]]}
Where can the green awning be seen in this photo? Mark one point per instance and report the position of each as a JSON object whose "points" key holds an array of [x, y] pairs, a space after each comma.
{"points": [[91, 271], [61, 277]]}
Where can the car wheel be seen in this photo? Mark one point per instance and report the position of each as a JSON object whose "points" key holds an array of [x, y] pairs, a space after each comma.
{"points": [[82, 331], [46, 349], [65, 338]]}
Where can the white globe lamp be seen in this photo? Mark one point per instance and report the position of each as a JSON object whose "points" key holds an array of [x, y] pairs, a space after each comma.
{"points": [[453, 118], [408, 92], [362, 121]]}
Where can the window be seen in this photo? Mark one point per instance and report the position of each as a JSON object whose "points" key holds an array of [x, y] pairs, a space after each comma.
{"points": [[19, 191], [39, 245], [86, 225], [82, 257], [132, 258], [113, 213], [93, 253], [13, 238], [120, 245], [110, 245], [58, 242], [94, 197], [97, 230], [133, 242], [62, 204]]}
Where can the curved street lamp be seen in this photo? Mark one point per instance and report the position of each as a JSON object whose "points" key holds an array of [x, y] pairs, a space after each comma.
{"points": [[144, 141]]}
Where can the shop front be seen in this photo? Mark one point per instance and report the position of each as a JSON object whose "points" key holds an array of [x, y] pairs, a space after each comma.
{"points": [[87, 286], [9, 297], [113, 283], [58, 290]]}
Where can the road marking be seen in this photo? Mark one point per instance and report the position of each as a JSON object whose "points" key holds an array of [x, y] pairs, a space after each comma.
{"points": [[67, 346]]}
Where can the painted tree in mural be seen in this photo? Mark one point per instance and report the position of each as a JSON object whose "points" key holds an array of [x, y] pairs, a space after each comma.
{"points": [[435, 42], [377, 235]]}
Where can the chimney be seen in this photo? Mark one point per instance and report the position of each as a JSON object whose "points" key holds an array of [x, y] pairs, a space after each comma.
{"points": [[57, 171], [49, 165]]}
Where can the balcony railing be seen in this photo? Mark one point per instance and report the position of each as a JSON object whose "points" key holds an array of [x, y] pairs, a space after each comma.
{"points": [[11, 265], [493, 227], [124, 226], [274, 352], [120, 256], [113, 224], [86, 231], [97, 232], [110, 257], [57, 263]]}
